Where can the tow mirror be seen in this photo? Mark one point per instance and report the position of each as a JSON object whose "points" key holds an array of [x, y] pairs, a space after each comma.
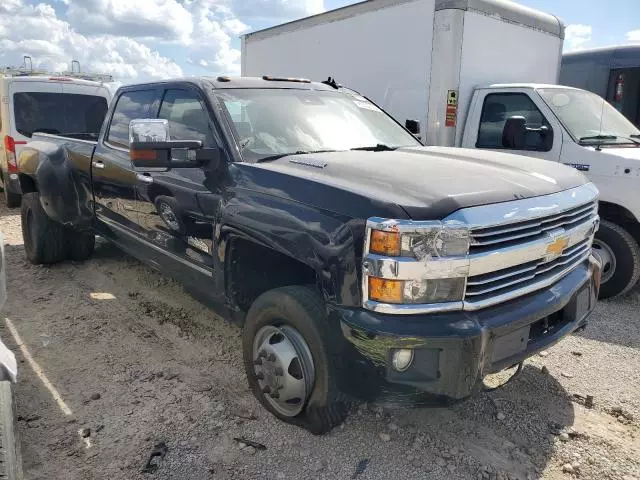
{"points": [[150, 147], [514, 133]]}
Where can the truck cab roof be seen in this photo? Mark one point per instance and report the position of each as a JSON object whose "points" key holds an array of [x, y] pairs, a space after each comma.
{"points": [[522, 85]]}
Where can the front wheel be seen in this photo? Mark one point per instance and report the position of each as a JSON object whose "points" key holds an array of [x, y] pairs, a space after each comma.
{"points": [[289, 360], [620, 256]]}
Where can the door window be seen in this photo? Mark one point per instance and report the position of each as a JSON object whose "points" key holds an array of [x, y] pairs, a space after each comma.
{"points": [[131, 105], [188, 120], [497, 108]]}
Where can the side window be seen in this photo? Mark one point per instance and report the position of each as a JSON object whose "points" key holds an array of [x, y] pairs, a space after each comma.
{"points": [[498, 107], [188, 120], [131, 105]]}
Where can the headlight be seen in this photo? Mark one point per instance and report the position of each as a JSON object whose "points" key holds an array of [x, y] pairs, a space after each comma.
{"points": [[416, 263], [416, 291], [436, 240]]}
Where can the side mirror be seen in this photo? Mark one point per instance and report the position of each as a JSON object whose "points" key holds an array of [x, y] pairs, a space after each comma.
{"points": [[413, 126], [514, 133], [150, 147]]}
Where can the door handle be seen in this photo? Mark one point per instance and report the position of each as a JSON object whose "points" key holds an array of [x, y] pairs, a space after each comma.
{"points": [[97, 164], [144, 177]]}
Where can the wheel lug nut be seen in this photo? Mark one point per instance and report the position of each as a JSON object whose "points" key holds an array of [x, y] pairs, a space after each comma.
{"points": [[279, 371], [262, 353], [260, 376], [266, 389], [271, 358]]}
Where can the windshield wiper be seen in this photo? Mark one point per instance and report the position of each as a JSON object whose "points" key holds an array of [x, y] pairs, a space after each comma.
{"points": [[598, 137], [380, 147], [630, 138], [299, 152]]}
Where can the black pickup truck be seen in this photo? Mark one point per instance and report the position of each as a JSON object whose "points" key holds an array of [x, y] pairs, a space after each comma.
{"points": [[356, 259]]}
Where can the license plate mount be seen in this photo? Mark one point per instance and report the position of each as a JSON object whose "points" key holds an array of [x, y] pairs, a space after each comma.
{"points": [[579, 306]]}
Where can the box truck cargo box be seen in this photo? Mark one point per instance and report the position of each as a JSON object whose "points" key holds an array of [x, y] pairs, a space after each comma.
{"points": [[418, 59]]}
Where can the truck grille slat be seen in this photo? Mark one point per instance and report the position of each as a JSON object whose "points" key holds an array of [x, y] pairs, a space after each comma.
{"points": [[496, 236], [516, 277]]}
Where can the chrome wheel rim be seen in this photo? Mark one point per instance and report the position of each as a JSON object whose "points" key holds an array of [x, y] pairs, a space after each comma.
{"points": [[608, 259], [283, 367], [169, 217]]}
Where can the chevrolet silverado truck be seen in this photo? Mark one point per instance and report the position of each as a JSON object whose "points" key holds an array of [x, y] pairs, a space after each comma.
{"points": [[353, 256]]}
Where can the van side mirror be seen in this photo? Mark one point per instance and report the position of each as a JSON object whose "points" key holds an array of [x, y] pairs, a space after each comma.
{"points": [[150, 147], [413, 126], [514, 133]]}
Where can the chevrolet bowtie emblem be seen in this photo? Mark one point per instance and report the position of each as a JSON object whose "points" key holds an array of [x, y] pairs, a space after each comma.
{"points": [[556, 247]]}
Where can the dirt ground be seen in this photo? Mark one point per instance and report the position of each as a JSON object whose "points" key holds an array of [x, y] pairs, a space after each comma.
{"points": [[116, 360]]}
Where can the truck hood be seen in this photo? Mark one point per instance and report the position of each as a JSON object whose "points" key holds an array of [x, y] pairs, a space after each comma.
{"points": [[631, 153], [430, 182]]}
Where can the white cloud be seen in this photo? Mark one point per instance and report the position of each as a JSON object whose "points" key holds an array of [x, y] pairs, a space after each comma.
{"points": [[633, 36], [53, 43], [577, 37], [123, 37], [166, 19]]}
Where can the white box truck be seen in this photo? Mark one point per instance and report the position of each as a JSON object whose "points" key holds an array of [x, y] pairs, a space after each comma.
{"points": [[475, 74]]}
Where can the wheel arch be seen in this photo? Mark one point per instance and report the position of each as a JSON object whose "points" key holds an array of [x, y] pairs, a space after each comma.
{"points": [[253, 268], [620, 215]]}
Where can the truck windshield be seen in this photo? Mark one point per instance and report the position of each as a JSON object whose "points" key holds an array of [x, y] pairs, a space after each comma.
{"points": [[277, 122], [58, 113], [589, 118]]}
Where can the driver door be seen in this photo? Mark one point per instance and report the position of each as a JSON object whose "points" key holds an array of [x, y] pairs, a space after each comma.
{"points": [[498, 106]]}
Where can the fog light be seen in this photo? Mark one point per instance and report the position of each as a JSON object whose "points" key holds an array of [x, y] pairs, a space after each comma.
{"points": [[401, 359]]}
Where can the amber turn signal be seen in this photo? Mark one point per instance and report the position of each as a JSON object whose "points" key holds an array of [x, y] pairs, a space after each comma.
{"points": [[385, 243], [386, 291], [142, 154]]}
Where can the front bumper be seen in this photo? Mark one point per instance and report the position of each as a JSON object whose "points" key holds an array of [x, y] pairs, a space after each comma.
{"points": [[454, 351]]}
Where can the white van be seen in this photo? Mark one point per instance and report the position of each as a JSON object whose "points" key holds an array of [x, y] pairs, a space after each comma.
{"points": [[49, 104]]}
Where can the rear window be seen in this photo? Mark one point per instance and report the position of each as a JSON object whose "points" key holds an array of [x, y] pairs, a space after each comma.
{"points": [[58, 113]]}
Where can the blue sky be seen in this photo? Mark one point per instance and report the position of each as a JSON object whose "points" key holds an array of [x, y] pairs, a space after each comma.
{"points": [[140, 39]]}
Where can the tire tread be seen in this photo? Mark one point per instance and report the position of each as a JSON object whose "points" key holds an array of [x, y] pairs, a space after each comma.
{"points": [[634, 249]]}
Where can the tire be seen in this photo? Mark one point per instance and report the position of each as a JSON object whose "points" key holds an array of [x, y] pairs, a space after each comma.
{"points": [[620, 255], [12, 200], [301, 310], [44, 239], [80, 245], [11, 465]]}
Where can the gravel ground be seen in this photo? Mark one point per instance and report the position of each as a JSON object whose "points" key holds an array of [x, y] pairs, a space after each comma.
{"points": [[117, 363]]}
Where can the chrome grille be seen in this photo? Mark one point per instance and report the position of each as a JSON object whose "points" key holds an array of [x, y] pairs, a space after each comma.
{"points": [[489, 238], [482, 287], [523, 246]]}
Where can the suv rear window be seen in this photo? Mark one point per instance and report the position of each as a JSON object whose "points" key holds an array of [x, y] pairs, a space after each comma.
{"points": [[58, 113]]}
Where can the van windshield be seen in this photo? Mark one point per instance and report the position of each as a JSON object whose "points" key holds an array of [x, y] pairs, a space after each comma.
{"points": [[58, 113], [276, 122], [589, 118]]}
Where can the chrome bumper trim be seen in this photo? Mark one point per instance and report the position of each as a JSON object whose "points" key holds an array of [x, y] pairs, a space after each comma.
{"points": [[412, 309]]}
